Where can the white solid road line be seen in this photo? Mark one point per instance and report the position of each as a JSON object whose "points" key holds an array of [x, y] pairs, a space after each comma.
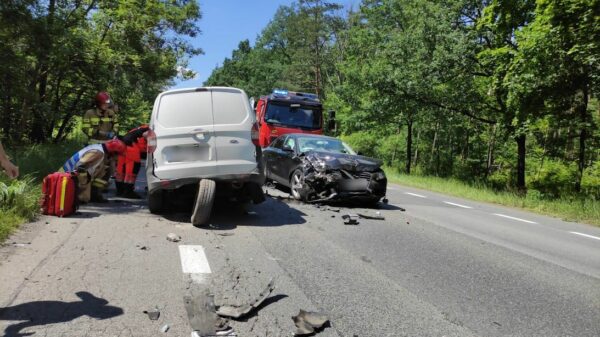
{"points": [[193, 260], [415, 195], [457, 205], [513, 218], [586, 235]]}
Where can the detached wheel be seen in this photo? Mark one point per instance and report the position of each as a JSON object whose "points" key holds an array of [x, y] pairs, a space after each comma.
{"points": [[297, 185], [156, 202], [204, 202]]}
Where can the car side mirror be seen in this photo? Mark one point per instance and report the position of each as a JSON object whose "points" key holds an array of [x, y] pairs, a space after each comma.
{"points": [[287, 148], [360, 153]]}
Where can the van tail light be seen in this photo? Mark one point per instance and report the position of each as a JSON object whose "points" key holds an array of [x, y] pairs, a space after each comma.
{"points": [[151, 139], [254, 134]]}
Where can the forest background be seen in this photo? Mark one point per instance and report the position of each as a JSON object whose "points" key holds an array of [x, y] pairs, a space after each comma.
{"points": [[495, 96]]}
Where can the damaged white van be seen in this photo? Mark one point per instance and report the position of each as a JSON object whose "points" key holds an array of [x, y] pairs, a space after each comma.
{"points": [[205, 137]]}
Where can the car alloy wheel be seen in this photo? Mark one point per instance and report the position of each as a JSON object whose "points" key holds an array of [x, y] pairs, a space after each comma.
{"points": [[296, 184]]}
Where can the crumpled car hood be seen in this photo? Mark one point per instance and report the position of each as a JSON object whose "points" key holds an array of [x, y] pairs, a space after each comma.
{"points": [[341, 161]]}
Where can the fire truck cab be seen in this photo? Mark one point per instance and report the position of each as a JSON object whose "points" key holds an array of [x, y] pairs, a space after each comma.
{"points": [[284, 112]]}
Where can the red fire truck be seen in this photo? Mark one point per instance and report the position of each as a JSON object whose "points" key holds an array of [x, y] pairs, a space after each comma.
{"points": [[284, 112]]}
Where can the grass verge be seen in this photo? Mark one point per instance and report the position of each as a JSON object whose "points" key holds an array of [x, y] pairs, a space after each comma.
{"points": [[568, 208], [19, 199]]}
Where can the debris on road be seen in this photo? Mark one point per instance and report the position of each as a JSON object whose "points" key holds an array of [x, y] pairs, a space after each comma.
{"points": [[350, 219], [238, 312], [229, 333], [378, 216], [142, 247], [165, 328], [225, 234], [153, 314], [307, 322], [201, 313], [173, 237]]}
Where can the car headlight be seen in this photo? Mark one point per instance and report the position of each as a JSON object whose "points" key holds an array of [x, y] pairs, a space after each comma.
{"points": [[379, 175], [319, 166]]}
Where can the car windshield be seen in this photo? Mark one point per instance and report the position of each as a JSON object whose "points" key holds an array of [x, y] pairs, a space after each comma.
{"points": [[323, 145], [294, 116]]}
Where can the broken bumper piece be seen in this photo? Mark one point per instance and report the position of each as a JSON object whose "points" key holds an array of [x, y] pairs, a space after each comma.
{"points": [[337, 186]]}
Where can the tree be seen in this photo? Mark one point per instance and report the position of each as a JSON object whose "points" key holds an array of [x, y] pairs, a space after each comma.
{"points": [[68, 50]]}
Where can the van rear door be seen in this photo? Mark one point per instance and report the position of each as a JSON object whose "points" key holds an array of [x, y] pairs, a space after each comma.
{"points": [[233, 120], [185, 136]]}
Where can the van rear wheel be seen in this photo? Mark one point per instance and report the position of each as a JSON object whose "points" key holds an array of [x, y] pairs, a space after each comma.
{"points": [[204, 202], [155, 202]]}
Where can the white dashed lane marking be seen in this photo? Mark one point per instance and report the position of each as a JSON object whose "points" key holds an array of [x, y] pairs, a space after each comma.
{"points": [[513, 218], [457, 205], [415, 195], [193, 260], [586, 235]]}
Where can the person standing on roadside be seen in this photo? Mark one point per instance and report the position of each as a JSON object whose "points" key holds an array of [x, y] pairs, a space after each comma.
{"points": [[11, 170], [100, 123]]}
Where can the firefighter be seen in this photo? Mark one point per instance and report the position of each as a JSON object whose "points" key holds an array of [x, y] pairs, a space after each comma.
{"points": [[129, 162], [90, 163], [100, 124]]}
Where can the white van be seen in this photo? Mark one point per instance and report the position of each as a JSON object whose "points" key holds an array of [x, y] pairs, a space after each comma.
{"points": [[206, 137]]}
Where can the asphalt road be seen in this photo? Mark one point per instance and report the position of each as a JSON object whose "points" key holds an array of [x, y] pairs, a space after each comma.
{"points": [[444, 267]]}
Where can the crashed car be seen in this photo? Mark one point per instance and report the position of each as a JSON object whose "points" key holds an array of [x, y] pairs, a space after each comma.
{"points": [[319, 168]]}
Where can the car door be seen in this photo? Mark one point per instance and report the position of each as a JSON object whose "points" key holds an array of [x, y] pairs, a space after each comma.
{"points": [[233, 121], [288, 159], [275, 157], [269, 156], [185, 138]]}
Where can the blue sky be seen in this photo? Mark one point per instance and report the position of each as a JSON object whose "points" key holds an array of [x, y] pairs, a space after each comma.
{"points": [[224, 24]]}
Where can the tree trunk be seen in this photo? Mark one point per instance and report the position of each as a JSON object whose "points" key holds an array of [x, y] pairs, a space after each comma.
{"points": [[68, 115], [415, 160], [582, 107], [409, 124], [490, 152], [433, 144], [465, 150], [521, 151], [40, 120]]}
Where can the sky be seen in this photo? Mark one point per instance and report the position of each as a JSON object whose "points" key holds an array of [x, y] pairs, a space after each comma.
{"points": [[224, 24]]}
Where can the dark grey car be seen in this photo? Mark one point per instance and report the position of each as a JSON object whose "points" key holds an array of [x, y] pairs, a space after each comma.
{"points": [[320, 168]]}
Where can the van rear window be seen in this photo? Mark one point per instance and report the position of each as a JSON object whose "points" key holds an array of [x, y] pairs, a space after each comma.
{"points": [[230, 106], [185, 109]]}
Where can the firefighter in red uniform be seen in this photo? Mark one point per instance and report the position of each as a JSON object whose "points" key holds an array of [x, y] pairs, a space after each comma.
{"points": [[129, 162]]}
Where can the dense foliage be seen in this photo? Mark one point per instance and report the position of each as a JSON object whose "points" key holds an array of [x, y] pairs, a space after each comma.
{"points": [[56, 54], [501, 92]]}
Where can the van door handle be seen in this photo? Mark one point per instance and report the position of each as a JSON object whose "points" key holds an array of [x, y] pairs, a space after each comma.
{"points": [[234, 141], [196, 131], [198, 134]]}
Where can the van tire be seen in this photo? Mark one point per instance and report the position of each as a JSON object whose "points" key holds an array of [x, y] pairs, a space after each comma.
{"points": [[204, 202], [155, 202]]}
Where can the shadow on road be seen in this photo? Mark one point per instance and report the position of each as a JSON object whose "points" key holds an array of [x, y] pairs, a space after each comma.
{"points": [[228, 215], [40, 313], [270, 300]]}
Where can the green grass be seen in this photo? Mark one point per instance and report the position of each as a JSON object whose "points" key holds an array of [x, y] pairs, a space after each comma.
{"points": [[19, 199], [568, 208], [19, 202]]}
